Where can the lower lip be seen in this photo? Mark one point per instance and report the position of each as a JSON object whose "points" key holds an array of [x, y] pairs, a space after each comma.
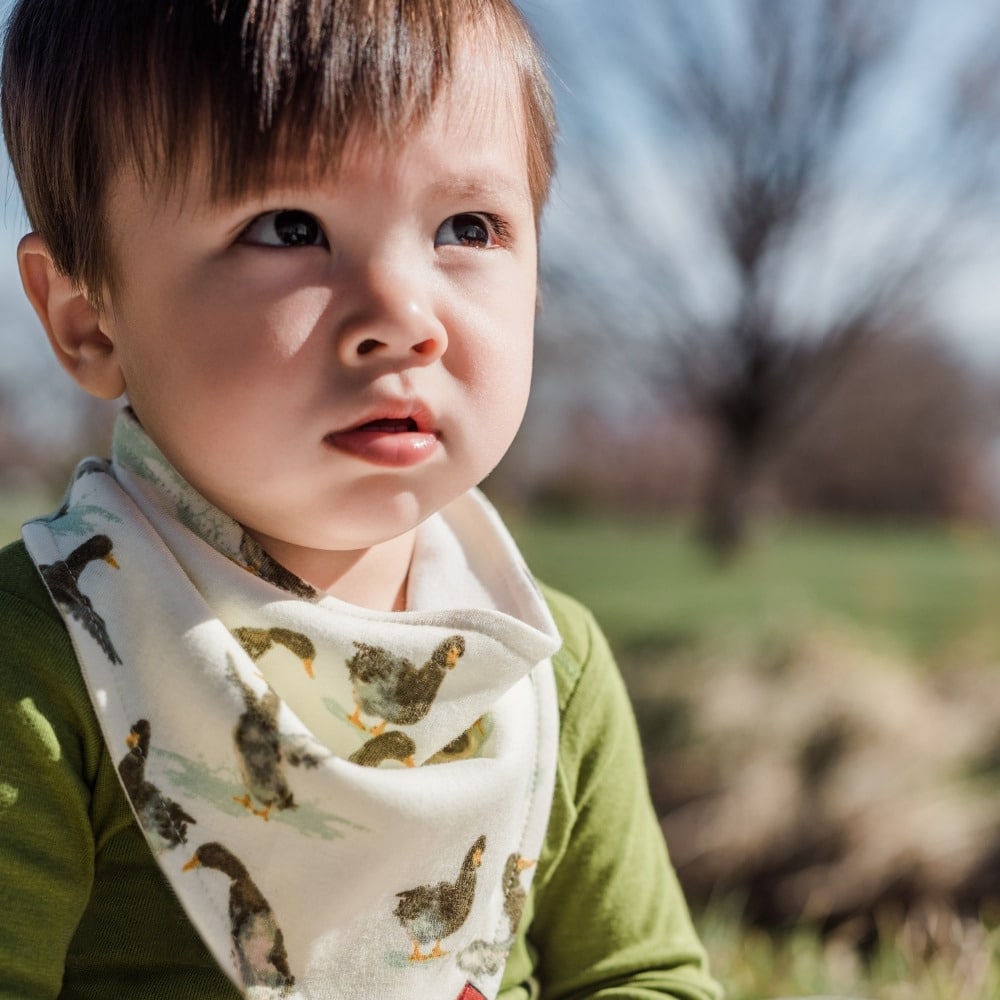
{"points": [[393, 449]]}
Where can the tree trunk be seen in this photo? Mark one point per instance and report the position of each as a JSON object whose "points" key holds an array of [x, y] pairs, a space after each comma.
{"points": [[726, 509]]}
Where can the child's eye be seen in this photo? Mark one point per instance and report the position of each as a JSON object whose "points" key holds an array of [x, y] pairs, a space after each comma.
{"points": [[471, 230], [291, 227]]}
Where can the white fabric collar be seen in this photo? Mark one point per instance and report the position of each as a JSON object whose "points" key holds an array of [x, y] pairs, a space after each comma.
{"points": [[233, 703]]}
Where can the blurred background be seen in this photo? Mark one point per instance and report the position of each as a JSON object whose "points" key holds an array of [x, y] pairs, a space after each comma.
{"points": [[764, 446]]}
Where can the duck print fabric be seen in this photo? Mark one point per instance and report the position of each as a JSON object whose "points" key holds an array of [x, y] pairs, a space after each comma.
{"points": [[342, 799]]}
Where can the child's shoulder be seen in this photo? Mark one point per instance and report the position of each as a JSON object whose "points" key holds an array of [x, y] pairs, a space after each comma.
{"points": [[584, 657], [37, 658], [22, 593]]}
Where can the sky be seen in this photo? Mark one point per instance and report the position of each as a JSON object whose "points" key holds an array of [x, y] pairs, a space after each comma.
{"points": [[598, 93]]}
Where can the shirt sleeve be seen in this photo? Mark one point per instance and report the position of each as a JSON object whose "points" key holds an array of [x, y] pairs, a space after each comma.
{"points": [[46, 838], [610, 919]]}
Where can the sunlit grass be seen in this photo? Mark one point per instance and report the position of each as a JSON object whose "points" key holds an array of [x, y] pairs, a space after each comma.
{"points": [[16, 508], [929, 592], [937, 956], [652, 582]]}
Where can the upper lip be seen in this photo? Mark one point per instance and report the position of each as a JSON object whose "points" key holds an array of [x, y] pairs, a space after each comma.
{"points": [[413, 410]]}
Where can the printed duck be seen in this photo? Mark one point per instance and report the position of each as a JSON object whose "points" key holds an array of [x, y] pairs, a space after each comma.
{"points": [[258, 944], [431, 913], [258, 641], [162, 818], [514, 894], [391, 688], [258, 752], [390, 745], [62, 579]]}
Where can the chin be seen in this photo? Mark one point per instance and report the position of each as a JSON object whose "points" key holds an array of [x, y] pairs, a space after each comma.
{"points": [[355, 534]]}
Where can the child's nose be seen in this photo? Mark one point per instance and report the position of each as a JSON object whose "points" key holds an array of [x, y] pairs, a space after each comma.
{"points": [[392, 320]]}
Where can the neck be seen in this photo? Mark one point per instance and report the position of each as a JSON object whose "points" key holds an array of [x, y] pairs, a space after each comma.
{"points": [[372, 578]]}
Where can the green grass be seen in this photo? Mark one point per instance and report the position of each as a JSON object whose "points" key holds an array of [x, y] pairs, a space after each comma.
{"points": [[929, 593], [650, 582], [16, 508], [934, 957]]}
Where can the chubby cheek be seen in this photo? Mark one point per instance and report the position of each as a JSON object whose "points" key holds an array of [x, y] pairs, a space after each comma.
{"points": [[497, 390], [240, 349], [213, 391]]}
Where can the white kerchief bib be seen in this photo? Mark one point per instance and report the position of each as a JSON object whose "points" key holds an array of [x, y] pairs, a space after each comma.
{"points": [[346, 802]]}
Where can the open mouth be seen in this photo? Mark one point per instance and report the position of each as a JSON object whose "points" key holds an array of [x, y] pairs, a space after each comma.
{"points": [[389, 441], [387, 425]]}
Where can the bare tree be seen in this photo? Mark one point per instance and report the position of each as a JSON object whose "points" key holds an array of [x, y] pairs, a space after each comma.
{"points": [[827, 199]]}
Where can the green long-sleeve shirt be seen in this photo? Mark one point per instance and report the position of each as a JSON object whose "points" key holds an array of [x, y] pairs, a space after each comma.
{"points": [[88, 914]]}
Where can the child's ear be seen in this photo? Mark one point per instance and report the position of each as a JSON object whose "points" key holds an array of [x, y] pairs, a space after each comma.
{"points": [[74, 326]]}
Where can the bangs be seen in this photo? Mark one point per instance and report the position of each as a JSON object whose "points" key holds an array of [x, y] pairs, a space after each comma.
{"points": [[273, 85]]}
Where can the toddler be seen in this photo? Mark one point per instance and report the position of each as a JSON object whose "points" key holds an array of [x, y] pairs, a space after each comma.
{"points": [[283, 712]]}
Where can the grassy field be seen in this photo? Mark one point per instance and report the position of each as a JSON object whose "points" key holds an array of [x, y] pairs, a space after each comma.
{"points": [[651, 583], [925, 592], [930, 594], [948, 960], [17, 508]]}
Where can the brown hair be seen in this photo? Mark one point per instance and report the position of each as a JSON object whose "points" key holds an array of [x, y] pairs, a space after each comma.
{"points": [[88, 87]]}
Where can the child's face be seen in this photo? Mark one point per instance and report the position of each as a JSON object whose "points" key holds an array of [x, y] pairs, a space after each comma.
{"points": [[333, 394]]}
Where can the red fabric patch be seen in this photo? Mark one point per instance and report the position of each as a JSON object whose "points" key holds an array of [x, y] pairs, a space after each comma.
{"points": [[469, 992]]}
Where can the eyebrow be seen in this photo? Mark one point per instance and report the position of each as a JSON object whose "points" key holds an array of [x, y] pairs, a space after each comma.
{"points": [[490, 185]]}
